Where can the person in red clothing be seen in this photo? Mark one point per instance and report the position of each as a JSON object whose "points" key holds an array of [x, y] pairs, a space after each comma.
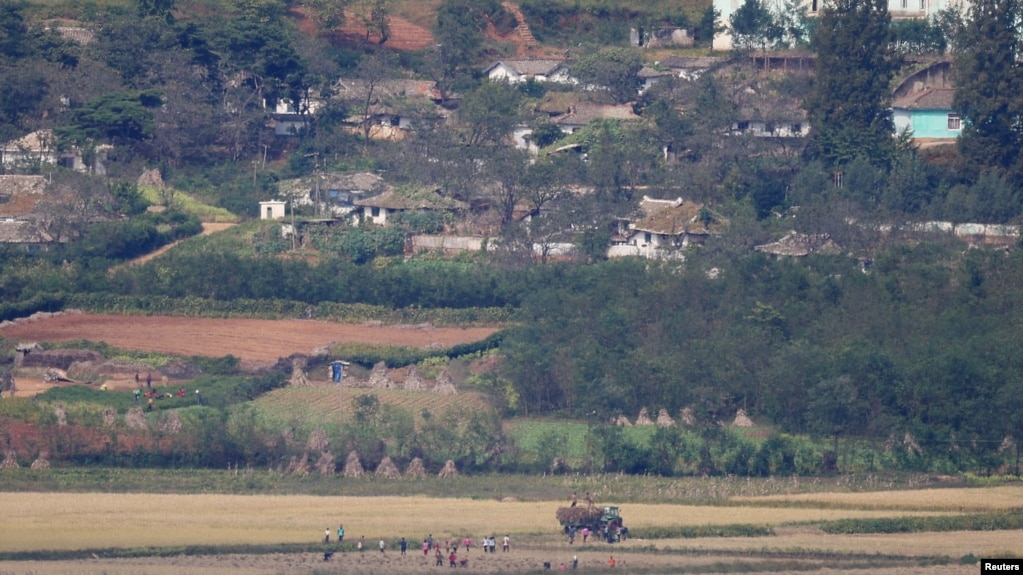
{"points": [[453, 559], [611, 561]]}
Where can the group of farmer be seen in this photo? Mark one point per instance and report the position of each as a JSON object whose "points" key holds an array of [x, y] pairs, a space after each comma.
{"points": [[151, 394]]}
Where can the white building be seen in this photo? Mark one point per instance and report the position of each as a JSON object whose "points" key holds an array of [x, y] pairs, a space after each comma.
{"points": [[271, 210], [899, 10], [518, 71]]}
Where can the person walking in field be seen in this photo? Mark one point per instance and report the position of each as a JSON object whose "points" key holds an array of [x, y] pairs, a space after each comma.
{"points": [[382, 545], [198, 397], [340, 533], [507, 543], [426, 547], [468, 544], [326, 535], [138, 394], [404, 546], [149, 381], [362, 544], [453, 559], [149, 407], [586, 533]]}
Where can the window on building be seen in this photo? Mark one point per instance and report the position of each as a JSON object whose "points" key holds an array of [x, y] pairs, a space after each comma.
{"points": [[813, 7], [647, 237], [905, 4], [376, 212], [954, 122], [923, 5]]}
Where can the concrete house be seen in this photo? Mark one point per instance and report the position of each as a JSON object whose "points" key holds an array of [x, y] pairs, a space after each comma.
{"points": [[928, 115], [690, 67], [664, 228], [649, 76], [579, 116], [27, 235], [334, 193], [31, 150], [393, 105], [379, 209], [518, 71], [922, 104]]}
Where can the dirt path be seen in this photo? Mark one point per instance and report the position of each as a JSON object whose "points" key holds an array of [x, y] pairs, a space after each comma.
{"points": [[254, 341], [207, 229]]}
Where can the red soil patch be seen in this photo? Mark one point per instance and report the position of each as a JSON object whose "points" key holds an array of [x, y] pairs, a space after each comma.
{"points": [[404, 35], [254, 341]]}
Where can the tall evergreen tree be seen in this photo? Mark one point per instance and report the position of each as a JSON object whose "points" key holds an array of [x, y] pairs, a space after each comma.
{"points": [[849, 106], [989, 80]]}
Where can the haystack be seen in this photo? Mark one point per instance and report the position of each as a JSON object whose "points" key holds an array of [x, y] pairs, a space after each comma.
{"points": [[911, 445], [644, 418], [41, 462], [387, 469], [10, 460], [414, 381], [325, 464], [317, 441], [61, 414], [449, 470], [109, 416], [687, 416], [298, 466], [353, 467], [298, 376], [664, 420], [622, 421], [378, 378], [415, 468], [445, 385], [742, 420], [135, 419], [170, 423], [151, 178]]}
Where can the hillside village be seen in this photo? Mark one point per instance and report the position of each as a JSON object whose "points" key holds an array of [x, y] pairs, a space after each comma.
{"points": [[762, 96], [805, 213]]}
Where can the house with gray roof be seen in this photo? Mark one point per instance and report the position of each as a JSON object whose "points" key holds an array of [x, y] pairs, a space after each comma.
{"points": [[579, 116], [517, 71], [379, 209], [664, 228]]}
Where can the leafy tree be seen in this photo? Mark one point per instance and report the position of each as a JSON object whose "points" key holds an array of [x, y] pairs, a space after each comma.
{"points": [[794, 23], [710, 25], [118, 117], [459, 31], [989, 78], [14, 34], [614, 68], [489, 114], [753, 26], [849, 105], [156, 8]]}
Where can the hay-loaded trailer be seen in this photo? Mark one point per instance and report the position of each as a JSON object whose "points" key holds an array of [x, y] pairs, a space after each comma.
{"points": [[595, 518]]}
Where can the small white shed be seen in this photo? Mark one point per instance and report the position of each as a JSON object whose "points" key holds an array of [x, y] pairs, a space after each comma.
{"points": [[271, 210]]}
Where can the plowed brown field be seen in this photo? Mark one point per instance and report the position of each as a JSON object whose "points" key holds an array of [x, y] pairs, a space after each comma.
{"points": [[254, 341]]}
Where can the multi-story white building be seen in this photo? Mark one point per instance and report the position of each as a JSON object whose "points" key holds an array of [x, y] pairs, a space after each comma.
{"points": [[899, 10]]}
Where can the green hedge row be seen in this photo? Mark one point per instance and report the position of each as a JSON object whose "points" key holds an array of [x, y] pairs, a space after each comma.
{"points": [[693, 531], [275, 309], [41, 302], [397, 356], [974, 522]]}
